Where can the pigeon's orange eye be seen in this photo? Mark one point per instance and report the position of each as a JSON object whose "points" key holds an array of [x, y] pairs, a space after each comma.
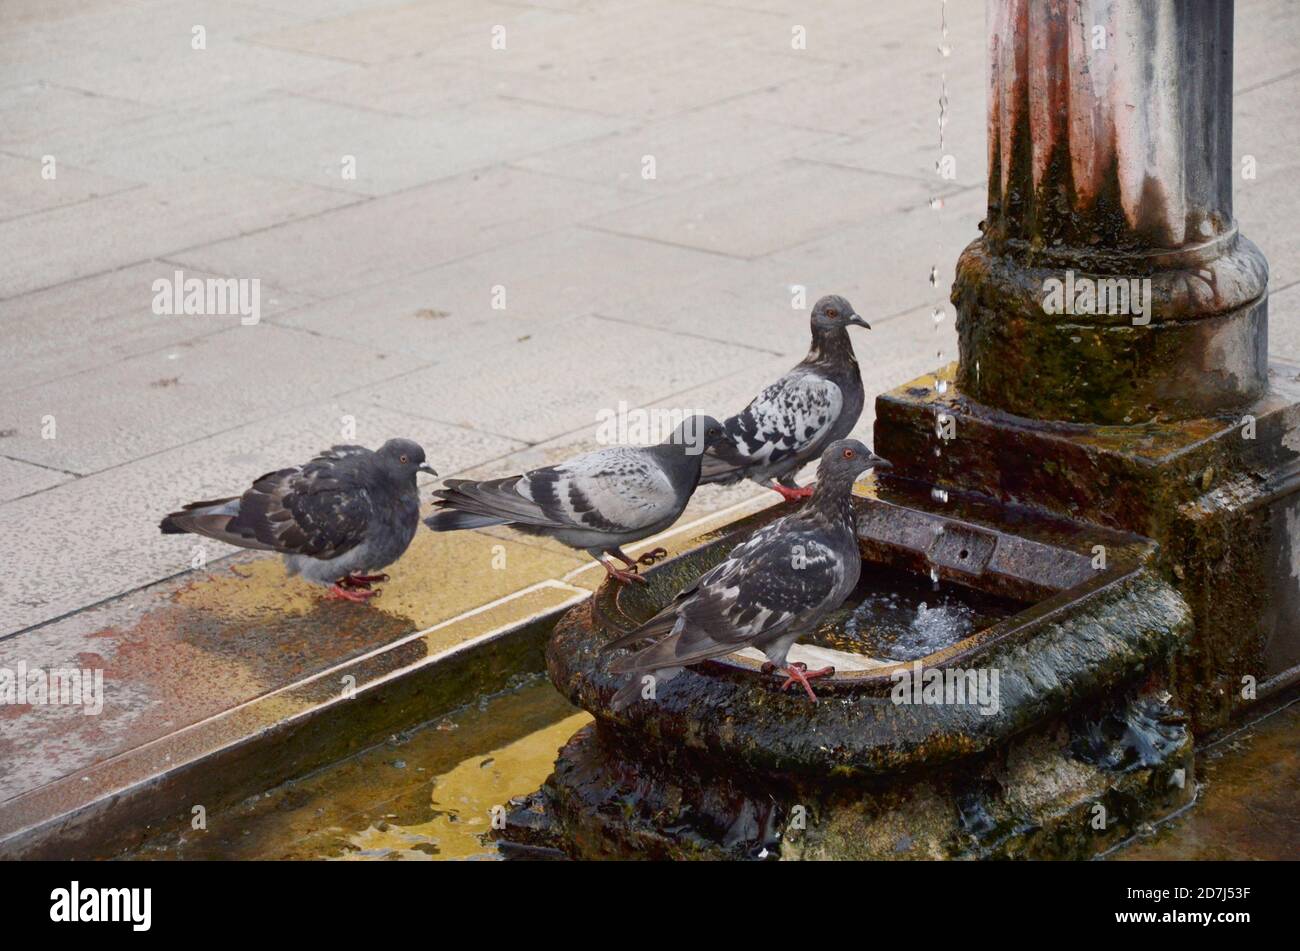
{"points": [[832, 313], [402, 459], [849, 453]]}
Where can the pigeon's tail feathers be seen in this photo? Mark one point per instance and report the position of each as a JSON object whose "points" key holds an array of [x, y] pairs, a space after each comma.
{"points": [[454, 520], [657, 626], [715, 471], [636, 687], [211, 519], [498, 499], [188, 519], [626, 694], [670, 652]]}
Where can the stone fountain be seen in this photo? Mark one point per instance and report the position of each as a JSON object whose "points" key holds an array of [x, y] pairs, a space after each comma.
{"points": [[1112, 460]]}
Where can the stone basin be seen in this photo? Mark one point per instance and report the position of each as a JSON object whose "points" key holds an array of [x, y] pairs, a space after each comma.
{"points": [[1032, 589], [979, 578]]}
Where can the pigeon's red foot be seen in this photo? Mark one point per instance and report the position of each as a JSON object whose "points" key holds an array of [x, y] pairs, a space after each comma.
{"points": [[340, 593], [798, 673], [793, 495], [360, 581], [623, 577], [650, 557]]}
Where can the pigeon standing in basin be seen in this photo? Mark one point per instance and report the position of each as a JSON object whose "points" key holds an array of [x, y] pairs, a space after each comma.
{"points": [[597, 502], [771, 589], [348, 511], [794, 419]]}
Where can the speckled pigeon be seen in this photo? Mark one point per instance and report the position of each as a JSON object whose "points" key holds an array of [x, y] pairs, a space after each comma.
{"points": [[795, 418], [597, 502], [772, 588], [349, 510]]}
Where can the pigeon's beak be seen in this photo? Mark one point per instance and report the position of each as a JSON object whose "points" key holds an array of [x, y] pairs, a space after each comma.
{"points": [[858, 321], [877, 462], [426, 468]]}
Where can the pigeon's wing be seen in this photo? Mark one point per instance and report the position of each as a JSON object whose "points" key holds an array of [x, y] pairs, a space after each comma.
{"points": [[773, 581], [783, 421], [611, 490], [321, 510]]}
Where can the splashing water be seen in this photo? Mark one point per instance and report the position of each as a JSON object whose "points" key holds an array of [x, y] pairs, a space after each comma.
{"points": [[900, 615], [895, 630]]}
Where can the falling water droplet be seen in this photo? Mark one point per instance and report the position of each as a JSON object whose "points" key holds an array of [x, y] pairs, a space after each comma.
{"points": [[941, 387], [939, 495], [934, 575], [934, 276], [937, 315], [945, 50]]}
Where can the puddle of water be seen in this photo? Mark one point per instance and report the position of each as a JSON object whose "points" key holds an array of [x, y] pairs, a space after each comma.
{"points": [[426, 794], [898, 615], [1246, 807]]}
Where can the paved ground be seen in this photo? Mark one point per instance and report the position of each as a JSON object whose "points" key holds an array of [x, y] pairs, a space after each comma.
{"points": [[477, 171]]}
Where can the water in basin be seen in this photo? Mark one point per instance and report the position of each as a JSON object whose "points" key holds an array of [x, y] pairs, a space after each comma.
{"points": [[898, 615]]}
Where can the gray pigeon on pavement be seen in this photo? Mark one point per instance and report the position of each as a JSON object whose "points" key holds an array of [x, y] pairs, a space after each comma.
{"points": [[597, 502], [795, 418], [349, 510], [770, 590]]}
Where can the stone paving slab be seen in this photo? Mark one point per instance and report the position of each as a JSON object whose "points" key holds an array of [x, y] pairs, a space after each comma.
{"points": [[413, 86], [1284, 323], [19, 197], [182, 393], [387, 238], [453, 312], [128, 227], [1267, 205], [695, 149], [20, 478], [89, 323], [329, 145], [33, 111], [391, 31], [143, 52], [750, 217], [619, 363]]}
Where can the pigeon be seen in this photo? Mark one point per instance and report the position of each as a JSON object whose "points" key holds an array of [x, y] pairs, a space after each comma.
{"points": [[795, 418], [349, 510], [772, 588], [597, 502]]}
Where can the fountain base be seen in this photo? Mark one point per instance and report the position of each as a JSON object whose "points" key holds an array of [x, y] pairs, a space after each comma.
{"points": [[1062, 743], [1070, 790]]}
